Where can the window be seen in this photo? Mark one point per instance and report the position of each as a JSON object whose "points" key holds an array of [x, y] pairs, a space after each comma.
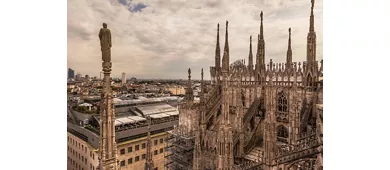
{"points": [[93, 156], [143, 156], [155, 142], [282, 108], [122, 151], [85, 160], [155, 152], [130, 161], [136, 158], [161, 150], [122, 163], [90, 153], [143, 146], [130, 149], [82, 158], [282, 102], [136, 147], [161, 140], [282, 131], [155, 168], [90, 166]]}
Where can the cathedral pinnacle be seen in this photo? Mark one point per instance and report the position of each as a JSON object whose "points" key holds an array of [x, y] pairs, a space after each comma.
{"points": [[189, 73], [225, 59], [226, 39], [312, 17], [217, 51], [261, 25], [289, 51], [189, 92], [250, 59]]}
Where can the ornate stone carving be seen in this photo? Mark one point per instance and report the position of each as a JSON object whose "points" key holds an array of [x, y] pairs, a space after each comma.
{"points": [[106, 66]]}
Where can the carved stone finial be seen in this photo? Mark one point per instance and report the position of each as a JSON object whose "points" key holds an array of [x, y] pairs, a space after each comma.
{"points": [[312, 4], [227, 22], [261, 15]]}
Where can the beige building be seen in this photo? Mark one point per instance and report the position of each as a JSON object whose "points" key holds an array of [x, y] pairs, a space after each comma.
{"points": [[81, 155], [123, 78], [132, 154], [176, 90]]}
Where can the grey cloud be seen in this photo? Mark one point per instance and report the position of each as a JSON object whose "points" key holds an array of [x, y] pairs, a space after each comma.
{"points": [[167, 37]]}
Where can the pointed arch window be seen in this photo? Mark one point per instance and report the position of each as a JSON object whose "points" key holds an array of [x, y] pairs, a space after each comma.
{"points": [[282, 131], [282, 134], [282, 102], [309, 80], [282, 107]]}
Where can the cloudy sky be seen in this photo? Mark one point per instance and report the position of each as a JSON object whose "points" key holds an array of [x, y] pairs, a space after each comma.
{"points": [[163, 38]]}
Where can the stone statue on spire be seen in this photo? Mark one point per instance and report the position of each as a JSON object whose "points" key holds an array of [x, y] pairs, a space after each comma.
{"points": [[105, 43]]}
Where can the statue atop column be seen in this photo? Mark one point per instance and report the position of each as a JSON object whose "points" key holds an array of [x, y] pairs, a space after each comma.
{"points": [[105, 43]]}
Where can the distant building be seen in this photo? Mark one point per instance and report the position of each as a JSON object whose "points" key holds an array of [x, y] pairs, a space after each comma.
{"points": [[123, 78], [176, 90], [87, 78], [133, 79], [70, 73], [78, 77]]}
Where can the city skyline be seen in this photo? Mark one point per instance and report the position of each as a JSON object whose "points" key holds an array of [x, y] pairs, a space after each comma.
{"points": [[143, 33]]}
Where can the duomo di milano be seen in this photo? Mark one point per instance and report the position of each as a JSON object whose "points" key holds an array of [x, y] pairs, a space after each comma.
{"points": [[253, 116]]}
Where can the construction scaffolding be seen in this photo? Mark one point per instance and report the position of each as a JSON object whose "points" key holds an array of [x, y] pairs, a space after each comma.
{"points": [[179, 150]]}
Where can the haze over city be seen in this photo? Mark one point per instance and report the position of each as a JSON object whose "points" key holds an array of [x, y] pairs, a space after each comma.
{"points": [[162, 39]]}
